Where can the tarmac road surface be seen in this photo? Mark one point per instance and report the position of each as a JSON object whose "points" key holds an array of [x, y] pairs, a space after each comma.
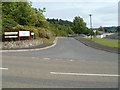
{"points": [[69, 64]]}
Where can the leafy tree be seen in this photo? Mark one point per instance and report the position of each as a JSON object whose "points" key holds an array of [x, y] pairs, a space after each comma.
{"points": [[79, 26], [87, 31], [8, 14], [41, 22], [20, 15], [101, 28]]}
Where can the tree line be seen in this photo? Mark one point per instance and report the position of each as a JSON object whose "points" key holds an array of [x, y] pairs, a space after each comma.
{"points": [[78, 26], [14, 13], [21, 15]]}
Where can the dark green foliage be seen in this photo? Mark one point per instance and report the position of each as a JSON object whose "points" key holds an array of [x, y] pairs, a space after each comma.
{"points": [[8, 23], [118, 29], [101, 29], [111, 29], [23, 14], [79, 26], [60, 22], [87, 31], [61, 30], [20, 15], [8, 15], [61, 27]]}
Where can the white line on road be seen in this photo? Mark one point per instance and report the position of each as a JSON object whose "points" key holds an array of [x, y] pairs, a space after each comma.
{"points": [[3, 68], [84, 74], [47, 58], [71, 60]]}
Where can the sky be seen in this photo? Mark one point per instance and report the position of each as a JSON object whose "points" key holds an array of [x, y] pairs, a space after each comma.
{"points": [[104, 12]]}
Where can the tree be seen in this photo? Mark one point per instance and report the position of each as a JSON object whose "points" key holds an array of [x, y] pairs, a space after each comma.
{"points": [[88, 31], [60, 22], [41, 20], [8, 15], [17, 13], [20, 15], [101, 29], [79, 26], [118, 29]]}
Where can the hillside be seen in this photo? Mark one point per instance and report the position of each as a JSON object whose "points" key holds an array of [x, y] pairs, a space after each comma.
{"points": [[111, 29], [60, 22], [21, 16]]}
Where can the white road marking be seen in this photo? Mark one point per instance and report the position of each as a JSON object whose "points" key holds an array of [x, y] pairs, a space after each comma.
{"points": [[3, 68], [33, 57], [85, 74], [71, 60], [47, 58]]}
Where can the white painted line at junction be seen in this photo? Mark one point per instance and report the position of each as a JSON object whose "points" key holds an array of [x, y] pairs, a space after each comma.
{"points": [[47, 58], [85, 74], [3, 68], [71, 60]]}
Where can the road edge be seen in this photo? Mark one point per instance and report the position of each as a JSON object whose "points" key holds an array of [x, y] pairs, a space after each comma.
{"points": [[22, 50], [99, 48]]}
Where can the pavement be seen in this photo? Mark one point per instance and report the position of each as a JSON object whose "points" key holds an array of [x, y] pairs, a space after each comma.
{"points": [[97, 46], [68, 64]]}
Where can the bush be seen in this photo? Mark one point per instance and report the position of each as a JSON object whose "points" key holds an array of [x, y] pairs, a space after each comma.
{"points": [[39, 32]]}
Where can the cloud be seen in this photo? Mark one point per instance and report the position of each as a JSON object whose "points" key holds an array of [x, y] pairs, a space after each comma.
{"points": [[74, 0], [103, 13], [109, 8]]}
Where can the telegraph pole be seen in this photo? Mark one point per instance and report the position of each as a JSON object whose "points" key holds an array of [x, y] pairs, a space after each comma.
{"points": [[91, 24]]}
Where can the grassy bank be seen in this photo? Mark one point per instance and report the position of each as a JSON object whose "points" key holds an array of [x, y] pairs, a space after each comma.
{"points": [[46, 41], [107, 42]]}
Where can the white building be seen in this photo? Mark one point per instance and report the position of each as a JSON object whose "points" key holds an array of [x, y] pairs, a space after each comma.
{"points": [[104, 35]]}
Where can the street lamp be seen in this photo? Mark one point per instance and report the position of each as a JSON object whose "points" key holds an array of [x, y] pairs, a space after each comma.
{"points": [[91, 24]]}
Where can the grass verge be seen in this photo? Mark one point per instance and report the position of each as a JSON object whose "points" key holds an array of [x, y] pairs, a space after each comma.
{"points": [[107, 42], [47, 41]]}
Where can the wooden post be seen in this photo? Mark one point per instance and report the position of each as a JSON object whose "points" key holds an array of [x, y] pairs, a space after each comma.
{"points": [[18, 36], [29, 37]]}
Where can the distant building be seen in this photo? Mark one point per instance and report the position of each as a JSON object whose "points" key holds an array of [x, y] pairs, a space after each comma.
{"points": [[103, 35]]}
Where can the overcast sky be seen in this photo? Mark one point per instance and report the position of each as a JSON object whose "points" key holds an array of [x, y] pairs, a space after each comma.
{"points": [[104, 12]]}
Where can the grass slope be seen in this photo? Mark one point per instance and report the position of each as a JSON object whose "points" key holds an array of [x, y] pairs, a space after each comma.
{"points": [[107, 42]]}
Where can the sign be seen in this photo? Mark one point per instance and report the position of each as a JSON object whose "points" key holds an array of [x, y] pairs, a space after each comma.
{"points": [[11, 33], [94, 31], [18, 34], [32, 33], [11, 36], [24, 33]]}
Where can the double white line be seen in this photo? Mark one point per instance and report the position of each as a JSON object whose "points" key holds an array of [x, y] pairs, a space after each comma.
{"points": [[85, 74]]}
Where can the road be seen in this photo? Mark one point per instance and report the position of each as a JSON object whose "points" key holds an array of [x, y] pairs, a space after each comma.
{"points": [[69, 64]]}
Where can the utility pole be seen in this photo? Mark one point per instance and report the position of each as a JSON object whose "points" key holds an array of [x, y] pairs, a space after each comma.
{"points": [[91, 24]]}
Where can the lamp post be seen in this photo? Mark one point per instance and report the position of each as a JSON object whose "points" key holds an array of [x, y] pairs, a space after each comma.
{"points": [[91, 24]]}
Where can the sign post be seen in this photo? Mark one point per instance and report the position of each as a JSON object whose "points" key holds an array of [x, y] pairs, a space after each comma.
{"points": [[94, 32], [18, 34]]}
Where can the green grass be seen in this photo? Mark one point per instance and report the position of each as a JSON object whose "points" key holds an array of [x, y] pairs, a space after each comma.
{"points": [[107, 42], [47, 41]]}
